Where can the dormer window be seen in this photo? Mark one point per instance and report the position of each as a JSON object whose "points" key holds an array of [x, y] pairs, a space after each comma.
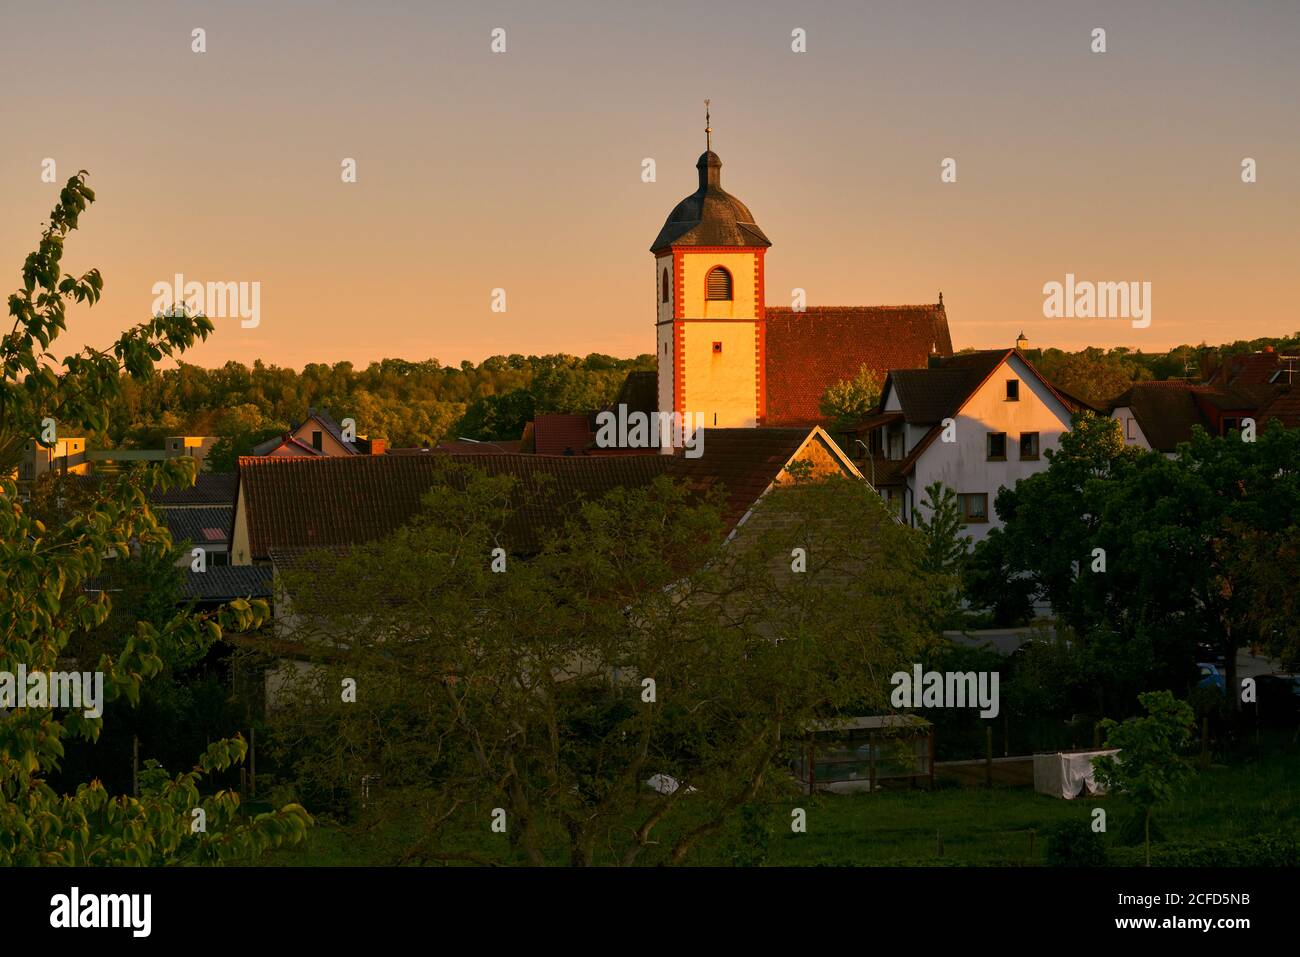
{"points": [[719, 284], [667, 296]]}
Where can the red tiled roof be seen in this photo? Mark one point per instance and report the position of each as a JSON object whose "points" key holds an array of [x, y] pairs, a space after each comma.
{"points": [[558, 434], [307, 503], [1251, 369], [809, 351], [1285, 408]]}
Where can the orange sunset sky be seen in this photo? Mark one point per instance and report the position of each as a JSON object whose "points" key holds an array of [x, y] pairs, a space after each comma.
{"points": [[522, 170]]}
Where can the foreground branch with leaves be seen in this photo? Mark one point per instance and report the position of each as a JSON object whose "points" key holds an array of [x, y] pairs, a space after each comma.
{"points": [[45, 604]]}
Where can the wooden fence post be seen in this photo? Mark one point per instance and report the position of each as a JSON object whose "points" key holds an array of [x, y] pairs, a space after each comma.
{"points": [[988, 756]]}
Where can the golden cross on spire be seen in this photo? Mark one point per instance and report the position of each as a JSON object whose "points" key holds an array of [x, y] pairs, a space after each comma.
{"points": [[708, 130]]}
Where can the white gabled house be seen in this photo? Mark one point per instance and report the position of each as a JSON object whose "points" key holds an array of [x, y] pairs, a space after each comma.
{"points": [[976, 422]]}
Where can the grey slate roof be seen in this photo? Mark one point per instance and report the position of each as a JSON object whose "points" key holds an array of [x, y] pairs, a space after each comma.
{"points": [[200, 525], [710, 216], [228, 582]]}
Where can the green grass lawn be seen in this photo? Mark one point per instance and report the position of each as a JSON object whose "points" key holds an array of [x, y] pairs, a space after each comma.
{"points": [[975, 826]]}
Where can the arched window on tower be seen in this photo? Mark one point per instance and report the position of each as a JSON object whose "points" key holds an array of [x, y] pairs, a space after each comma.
{"points": [[719, 283], [666, 295]]}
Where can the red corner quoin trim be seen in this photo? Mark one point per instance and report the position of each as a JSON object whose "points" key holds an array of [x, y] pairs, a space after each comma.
{"points": [[679, 366], [760, 335]]}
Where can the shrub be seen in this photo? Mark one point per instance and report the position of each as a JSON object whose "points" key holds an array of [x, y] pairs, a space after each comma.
{"points": [[1074, 844], [1260, 850]]}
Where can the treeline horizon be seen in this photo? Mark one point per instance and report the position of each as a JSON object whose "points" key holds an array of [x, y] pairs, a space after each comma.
{"points": [[420, 403]]}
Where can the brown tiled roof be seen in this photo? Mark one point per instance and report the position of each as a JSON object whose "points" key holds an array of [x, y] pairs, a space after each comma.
{"points": [[931, 395], [559, 434], [307, 503], [465, 447], [881, 471], [811, 350], [743, 461], [1251, 369], [928, 396], [1285, 408], [1165, 411], [875, 421]]}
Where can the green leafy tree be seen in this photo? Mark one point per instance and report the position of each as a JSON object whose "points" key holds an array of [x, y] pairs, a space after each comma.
{"points": [[497, 418], [1149, 769], [1141, 556], [46, 608], [850, 400], [525, 690], [946, 549]]}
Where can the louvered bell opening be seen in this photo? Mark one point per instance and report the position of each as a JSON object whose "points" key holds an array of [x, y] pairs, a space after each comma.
{"points": [[719, 283]]}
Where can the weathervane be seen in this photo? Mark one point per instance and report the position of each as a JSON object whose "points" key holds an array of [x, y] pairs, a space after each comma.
{"points": [[708, 130]]}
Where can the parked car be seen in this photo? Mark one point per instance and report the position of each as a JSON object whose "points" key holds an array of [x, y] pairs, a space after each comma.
{"points": [[1211, 677], [1207, 652]]}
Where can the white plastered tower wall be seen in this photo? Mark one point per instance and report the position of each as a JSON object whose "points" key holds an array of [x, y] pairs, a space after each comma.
{"points": [[665, 343]]}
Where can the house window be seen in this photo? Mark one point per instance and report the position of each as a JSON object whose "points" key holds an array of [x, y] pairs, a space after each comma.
{"points": [[997, 447], [719, 284], [1013, 390], [1230, 423], [1028, 446], [717, 348], [1130, 428], [666, 296], [895, 446], [317, 442], [974, 507]]}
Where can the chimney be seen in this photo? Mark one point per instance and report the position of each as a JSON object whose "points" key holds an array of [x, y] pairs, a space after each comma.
{"points": [[378, 446]]}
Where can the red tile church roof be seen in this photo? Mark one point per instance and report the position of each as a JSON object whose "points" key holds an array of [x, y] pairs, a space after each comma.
{"points": [[811, 350]]}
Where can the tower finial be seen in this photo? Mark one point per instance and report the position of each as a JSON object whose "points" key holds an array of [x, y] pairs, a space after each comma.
{"points": [[708, 129]]}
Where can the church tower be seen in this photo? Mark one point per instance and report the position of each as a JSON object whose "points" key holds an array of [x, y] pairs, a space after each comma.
{"points": [[710, 321]]}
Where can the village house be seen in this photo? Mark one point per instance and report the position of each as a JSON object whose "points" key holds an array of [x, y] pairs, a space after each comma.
{"points": [[1259, 386], [287, 507], [318, 435], [977, 422]]}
